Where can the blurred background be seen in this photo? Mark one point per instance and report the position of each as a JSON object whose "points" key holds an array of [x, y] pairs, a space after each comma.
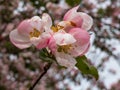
{"points": [[20, 68]]}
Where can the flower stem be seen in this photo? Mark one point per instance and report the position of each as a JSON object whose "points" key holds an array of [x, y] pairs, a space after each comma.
{"points": [[80, 6], [46, 68]]}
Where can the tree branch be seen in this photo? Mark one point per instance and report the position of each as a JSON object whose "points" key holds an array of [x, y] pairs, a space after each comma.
{"points": [[46, 68]]}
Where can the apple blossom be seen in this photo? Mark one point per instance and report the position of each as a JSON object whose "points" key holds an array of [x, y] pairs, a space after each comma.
{"points": [[67, 40], [70, 38], [80, 19], [67, 46], [32, 31]]}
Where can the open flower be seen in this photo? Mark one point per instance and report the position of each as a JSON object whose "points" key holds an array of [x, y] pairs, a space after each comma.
{"points": [[67, 40], [78, 19], [67, 46], [32, 31]]}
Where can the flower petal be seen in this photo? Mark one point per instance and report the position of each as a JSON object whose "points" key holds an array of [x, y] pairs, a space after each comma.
{"points": [[81, 19], [66, 25], [47, 21], [36, 23], [86, 50], [52, 45], [65, 60], [73, 15], [24, 27], [41, 41], [82, 41], [87, 21], [19, 40], [63, 38]]}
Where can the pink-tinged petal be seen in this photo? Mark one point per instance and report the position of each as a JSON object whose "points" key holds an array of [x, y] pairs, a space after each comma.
{"points": [[63, 38], [41, 41], [87, 21], [52, 45], [19, 40], [65, 60], [24, 27], [70, 14], [47, 21], [81, 19], [36, 23], [82, 41], [73, 16], [85, 51], [66, 25]]}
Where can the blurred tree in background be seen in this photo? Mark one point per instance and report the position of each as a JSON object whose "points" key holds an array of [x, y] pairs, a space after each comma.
{"points": [[20, 68]]}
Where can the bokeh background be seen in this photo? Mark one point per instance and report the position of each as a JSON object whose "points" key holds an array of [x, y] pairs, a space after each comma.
{"points": [[20, 68]]}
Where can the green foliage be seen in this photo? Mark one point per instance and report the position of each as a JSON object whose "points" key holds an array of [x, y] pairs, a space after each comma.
{"points": [[2, 88], [45, 56], [73, 2], [31, 67], [101, 12], [11, 48], [55, 1], [85, 67]]}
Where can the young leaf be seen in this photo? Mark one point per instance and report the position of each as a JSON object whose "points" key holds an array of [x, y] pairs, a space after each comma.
{"points": [[45, 56], [73, 2], [82, 65], [94, 72], [85, 67]]}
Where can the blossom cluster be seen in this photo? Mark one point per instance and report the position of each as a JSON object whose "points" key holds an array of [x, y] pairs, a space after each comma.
{"points": [[66, 40]]}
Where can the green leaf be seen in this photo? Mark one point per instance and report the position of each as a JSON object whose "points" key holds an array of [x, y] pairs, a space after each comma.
{"points": [[85, 67], [94, 72], [44, 55], [73, 2]]}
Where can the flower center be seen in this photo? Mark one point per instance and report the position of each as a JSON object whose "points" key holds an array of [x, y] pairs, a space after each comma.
{"points": [[56, 28], [64, 48], [35, 33]]}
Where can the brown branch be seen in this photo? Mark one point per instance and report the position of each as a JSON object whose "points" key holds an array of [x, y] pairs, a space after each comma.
{"points": [[46, 68]]}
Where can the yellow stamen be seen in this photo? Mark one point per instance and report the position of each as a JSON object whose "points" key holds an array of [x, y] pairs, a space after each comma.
{"points": [[59, 27], [56, 28], [35, 33], [64, 48]]}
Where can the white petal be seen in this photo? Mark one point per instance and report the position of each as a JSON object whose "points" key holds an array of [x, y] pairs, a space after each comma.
{"points": [[79, 50], [87, 21], [65, 60], [41, 41], [63, 38], [47, 21], [35, 40], [19, 40], [66, 25], [36, 23]]}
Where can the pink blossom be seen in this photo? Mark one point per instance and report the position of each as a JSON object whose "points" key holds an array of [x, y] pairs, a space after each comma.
{"points": [[82, 41], [67, 46], [67, 40], [32, 31], [63, 38], [80, 19], [70, 38], [64, 59]]}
